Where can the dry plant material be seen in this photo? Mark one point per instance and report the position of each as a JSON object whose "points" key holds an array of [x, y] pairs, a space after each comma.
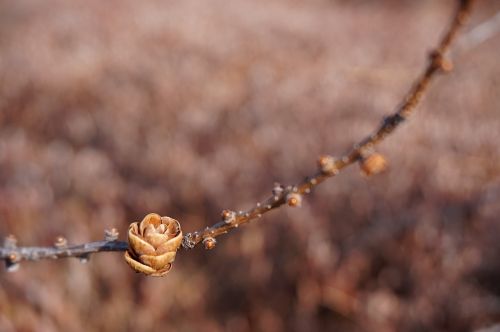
{"points": [[294, 200], [153, 243], [374, 163], [209, 243]]}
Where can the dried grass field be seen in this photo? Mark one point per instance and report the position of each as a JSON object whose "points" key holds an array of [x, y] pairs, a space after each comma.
{"points": [[113, 109]]}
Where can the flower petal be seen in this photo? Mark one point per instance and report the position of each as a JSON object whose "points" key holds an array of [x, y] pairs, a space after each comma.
{"points": [[138, 245], [156, 239], [158, 262], [171, 245], [163, 272], [150, 219], [137, 266], [172, 225]]}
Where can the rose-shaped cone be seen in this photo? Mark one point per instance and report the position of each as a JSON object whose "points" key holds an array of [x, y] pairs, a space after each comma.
{"points": [[152, 244]]}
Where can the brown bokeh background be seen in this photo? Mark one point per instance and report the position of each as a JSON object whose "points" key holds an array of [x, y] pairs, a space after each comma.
{"points": [[113, 109]]}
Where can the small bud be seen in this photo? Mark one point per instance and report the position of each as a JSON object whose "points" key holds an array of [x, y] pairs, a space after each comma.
{"points": [[111, 234], [61, 242], [277, 189], [209, 243], [12, 262], [10, 242], [294, 199], [327, 164], [84, 259], [13, 257], [446, 65], [373, 164], [440, 62], [228, 216]]}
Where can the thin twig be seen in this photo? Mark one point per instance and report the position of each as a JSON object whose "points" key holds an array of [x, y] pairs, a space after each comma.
{"points": [[13, 254], [291, 195], [330, 166]]}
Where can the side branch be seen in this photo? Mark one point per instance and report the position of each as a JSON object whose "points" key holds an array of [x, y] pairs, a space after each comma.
{"points": [[330, 166]]}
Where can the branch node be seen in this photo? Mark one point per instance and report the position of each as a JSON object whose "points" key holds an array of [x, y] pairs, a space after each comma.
{"points": [[327, 165], [392, 121], [439, 61], [188, 242], [228, 216]]}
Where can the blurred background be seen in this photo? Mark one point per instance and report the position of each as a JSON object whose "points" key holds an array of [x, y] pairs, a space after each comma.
{"points": [[110, 110]]}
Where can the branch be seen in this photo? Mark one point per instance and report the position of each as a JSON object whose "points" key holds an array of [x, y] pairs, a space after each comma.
{"points": [[13, 255], [328, 167]]}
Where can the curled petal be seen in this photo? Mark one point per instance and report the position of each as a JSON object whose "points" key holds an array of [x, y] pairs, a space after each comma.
{"points": [[137, 266], [138, 245], [172, 224], [151, 219], [158, 262], [171, 245], [156, 239]]}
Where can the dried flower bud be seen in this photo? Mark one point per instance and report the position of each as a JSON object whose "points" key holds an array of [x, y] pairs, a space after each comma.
{"points": [[327, 164], [294, 199], [209, 243], [373, 164], [153, 243]]}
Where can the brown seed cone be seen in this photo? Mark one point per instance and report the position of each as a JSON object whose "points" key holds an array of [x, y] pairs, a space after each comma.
{"points": [[152, 244]]}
